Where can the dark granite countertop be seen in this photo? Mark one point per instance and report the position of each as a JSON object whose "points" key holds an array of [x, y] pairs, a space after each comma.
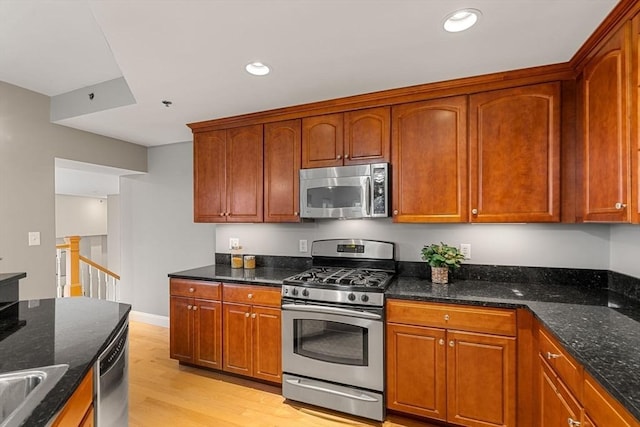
{"points": [[600, 328], [10, 277], [46, 332], [224, 273]]}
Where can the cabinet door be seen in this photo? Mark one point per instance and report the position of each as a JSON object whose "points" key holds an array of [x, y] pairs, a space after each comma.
{"points": [[557, 404], [282, 159], [267, 343], [429, 157], [416, 371], [606, 133], [237, 338], [481, 379], [209, 191], [367, 136], [514, 144], [181, 329], [244, 174], [208, 333], [322, 141], [604, 410]]}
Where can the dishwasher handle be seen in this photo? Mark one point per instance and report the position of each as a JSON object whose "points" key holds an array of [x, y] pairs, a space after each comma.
{"points": [[110, 357]]}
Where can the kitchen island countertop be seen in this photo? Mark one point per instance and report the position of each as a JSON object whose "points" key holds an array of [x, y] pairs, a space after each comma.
{"points": [[45, 332], [223, 273]]}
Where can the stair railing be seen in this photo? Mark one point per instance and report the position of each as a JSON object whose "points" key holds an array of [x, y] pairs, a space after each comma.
{"points": [[84, 277]]}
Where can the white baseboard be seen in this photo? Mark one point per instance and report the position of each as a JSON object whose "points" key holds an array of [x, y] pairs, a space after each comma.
{"points": [[151, 319]]}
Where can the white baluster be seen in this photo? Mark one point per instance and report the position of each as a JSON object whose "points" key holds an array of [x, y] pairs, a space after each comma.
{"points": [[59, 291], [90, 282]]}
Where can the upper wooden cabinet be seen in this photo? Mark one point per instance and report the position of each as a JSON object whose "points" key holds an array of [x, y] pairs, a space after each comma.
{"points": [[228, 175], [429, 158], [355, 137], [514, 144], [282, 158], [606, 132]]}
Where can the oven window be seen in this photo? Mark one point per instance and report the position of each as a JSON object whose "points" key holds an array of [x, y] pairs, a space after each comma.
{"points": [[331, 341], [335, 197]]}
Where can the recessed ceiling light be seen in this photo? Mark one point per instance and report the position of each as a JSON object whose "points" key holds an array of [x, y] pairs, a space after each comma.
{"points": [[461, 20], [257, 69]]}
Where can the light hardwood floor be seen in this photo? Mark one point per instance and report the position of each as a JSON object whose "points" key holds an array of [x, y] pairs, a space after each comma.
{"points": [[164, 393]]}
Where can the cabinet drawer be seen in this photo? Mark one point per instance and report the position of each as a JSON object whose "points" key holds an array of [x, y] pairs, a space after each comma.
{"points": [[564, 365], [195, 288], [473, 319], [258, 295], [602, 408]]}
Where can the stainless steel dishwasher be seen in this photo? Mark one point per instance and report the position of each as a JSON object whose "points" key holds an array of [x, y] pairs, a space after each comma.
{"points": [[112, 382]]}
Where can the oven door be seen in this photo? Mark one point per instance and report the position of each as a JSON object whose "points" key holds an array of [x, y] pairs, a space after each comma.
{"points": [[331, 343]]}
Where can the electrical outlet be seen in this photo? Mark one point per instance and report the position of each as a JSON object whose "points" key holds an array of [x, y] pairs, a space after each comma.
{"points": [[465, 249], [234, 242], [303, 246]]}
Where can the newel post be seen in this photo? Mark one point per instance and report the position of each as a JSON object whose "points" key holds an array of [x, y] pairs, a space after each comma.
{"points": [[73, 264]]}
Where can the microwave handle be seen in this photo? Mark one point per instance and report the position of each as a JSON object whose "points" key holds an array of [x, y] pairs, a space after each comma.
{"points": [[369, 190]]}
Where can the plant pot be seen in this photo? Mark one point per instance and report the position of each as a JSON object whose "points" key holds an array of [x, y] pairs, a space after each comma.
{"points": [[440, 275]]}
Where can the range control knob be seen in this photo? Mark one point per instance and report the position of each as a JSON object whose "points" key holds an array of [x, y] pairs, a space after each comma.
{"points": [[294, 291], [351, 297], [305, 292], [364, 298]]}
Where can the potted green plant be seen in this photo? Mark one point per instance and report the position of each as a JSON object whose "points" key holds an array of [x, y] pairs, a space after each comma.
{"points": [[441, 257]]}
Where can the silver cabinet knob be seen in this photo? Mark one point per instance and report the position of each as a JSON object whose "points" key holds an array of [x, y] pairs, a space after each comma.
{"points": [[253, 316], [221, 213], [339, 156], [441, 341], [246, 315], [192, 290], [346, 156], [474, 211], [195, 307], [621, 206], [296, 213], [446, 317], [573, 423], [250, 296], [552, 355], [451, 343], [189, 307], [395, 212]]}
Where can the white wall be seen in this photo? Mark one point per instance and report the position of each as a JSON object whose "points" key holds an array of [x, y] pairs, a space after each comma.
{"points": [[29, 144], [80, 216], [625, 249], [550, 245], [158, 234], [114, 248]]}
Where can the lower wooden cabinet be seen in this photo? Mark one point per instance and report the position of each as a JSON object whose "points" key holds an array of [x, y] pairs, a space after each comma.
{"points": [[78, 410], [462, 377], [196, 323], [558, 407], [252, 338]]}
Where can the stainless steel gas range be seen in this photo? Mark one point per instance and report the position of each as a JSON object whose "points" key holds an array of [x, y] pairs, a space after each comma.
{"points": [[333, 327]]}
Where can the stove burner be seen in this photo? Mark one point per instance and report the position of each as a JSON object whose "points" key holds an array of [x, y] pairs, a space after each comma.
{"points": [[318, 276]]}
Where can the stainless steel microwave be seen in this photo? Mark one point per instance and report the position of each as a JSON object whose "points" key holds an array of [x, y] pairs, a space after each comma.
{"points": [[359, 191]]}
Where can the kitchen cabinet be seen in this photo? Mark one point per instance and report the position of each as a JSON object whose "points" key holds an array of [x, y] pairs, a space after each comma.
{"points": [[429, 158], [351, 138], [252, 338], [78, 411], [606, 131], [514, 152], [196, 322], [228, 175], [282, 160], [566, 393], [432, 362]]}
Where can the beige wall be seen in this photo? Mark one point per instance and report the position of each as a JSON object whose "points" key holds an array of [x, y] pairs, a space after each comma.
{"points": [[29, 143], [80, 216]]}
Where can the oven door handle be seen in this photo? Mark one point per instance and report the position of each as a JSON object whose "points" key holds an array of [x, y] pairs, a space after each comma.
{"points": [[331, 310], [357, 396]]}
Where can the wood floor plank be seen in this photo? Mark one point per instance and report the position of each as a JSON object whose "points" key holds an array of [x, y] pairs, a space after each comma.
{"points": [[164, 393]]}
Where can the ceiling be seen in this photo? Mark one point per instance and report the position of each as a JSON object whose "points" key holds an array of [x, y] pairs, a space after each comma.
{"points": [[193, 52]]}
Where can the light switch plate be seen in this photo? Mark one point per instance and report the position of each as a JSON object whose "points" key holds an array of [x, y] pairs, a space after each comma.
{"points": [[302, 245], [465, 249], [234, 242], [34, 238]]}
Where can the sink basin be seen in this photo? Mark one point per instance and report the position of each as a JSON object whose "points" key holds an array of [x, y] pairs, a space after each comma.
{"points": [[22, 391]]}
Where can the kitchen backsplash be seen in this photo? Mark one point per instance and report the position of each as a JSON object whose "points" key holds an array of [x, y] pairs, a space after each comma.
{"points": [[591, 278]]}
